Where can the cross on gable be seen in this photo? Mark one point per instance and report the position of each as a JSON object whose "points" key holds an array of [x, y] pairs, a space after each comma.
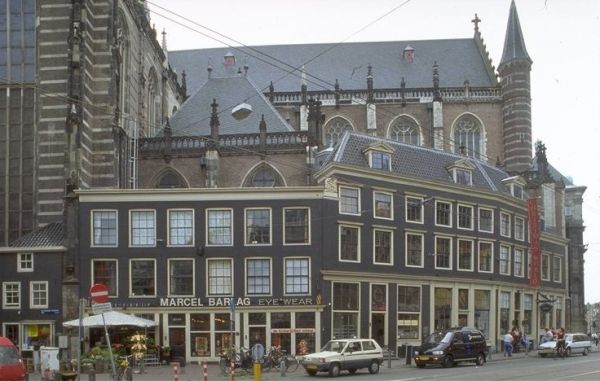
{"points": [[476, 21]]}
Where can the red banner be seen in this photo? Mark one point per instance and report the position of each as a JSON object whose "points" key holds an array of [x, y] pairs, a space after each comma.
{"points": [[534, 231]]}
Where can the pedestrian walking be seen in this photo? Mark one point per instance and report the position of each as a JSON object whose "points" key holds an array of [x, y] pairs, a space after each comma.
{"points": [[508, 346]]}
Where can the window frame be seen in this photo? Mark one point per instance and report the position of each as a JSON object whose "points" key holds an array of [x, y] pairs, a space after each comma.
{"points": [[467, 172], [508, 260], [11, 306], [556, 271], [193, 226], [547, 278], [209, 277], [285, 275], [458, 254], [479, 228], [181, 259], [93, 278], [521, 273], [130, 275], [471, 217], [384, 155], [246, 241], [22, 261], [131, 227], [358, 242], [341, 203], [422, 257], [450, 254], [450, 213], [391, 204], [391, 248], [93, 227], [421, 202], [519, 233], [231, 227], [247, 277], [308, 221], [33, 305], [491, 270], [408, 313], [505, 225]]}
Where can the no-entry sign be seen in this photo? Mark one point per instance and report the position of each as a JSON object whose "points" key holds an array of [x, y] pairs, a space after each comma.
{"points": [[99, 293]]}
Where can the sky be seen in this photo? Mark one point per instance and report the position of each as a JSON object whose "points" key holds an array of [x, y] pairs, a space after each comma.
{"points": [[561, 36]]}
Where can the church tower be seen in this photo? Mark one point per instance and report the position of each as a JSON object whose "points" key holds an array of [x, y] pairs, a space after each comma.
{"points": [[514, 70]]}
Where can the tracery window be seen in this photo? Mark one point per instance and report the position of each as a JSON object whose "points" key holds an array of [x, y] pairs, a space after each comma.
{"points": [[263, 176], [468, 136], [170, 180], [405, 130], [334, 130]]}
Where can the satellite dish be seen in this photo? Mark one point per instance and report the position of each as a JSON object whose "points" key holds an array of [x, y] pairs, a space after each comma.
{"points": [[241, 111]]}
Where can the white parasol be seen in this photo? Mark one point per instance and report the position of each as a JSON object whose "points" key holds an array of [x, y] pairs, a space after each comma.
{"points": [[111, 318]]}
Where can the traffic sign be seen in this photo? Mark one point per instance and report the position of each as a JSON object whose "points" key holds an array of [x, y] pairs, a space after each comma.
{"points": [[101, 308], [99, 293]]}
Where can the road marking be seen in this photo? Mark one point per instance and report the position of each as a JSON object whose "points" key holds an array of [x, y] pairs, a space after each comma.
{"points": [[582, 374]]}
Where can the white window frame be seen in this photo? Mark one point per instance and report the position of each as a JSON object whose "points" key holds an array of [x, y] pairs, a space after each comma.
{"points": [[94, 281], [357, 312], [131, 227], [93, 228], [451, 247], [554, 272], [421, 209], [520, 250], [391, 232], [505, 225], [169, 291], [449, 225], [231, 227], [358, 200], [21, 262], [455, 173], [472, 217], [208, 278], [33, 305], [246, 286], [547, 278], [246, 241], [520, 233], [458, 241], [391, 196], [131, 294], [479, 257], [308, 209], [169, 243], [508, 258], [285, 275], [12, 306], [422, 260], [420, 313], [479, 220], [358, 244], [383, 155]]}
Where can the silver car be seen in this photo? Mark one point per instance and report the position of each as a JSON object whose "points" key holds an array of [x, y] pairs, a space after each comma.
{"points": [[575, 343]]}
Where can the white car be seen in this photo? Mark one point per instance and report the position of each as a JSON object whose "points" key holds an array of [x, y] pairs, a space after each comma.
{"points": [[345, 354], [575, 343]]}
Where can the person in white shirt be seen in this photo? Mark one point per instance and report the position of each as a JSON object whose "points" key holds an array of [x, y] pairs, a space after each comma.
{"points": [[508, 344]]}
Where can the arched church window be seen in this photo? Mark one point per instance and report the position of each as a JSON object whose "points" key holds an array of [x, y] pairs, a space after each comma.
{"points": [[263, 176], [334, 130], [170, 180], [405, 130], [468, 136]]}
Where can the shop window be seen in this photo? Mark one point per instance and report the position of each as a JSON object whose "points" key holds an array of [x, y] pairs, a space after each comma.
{"points": [[482, 311], [223, 327], [25, 262], [297, 226], [181, 227], [181, 277], [281, 333], [382, 241], [104, 223], [383, 205], [465, 217], [257, 325], [442, 308], [443, 253], [527, 313], [345, 310], [200, 335], [518, 262], [104, 271], [258, 276], [414, 209], [143, 275], [258, 226], [297, 276], [305, 333], [519, 229], [349, 243], [414, 250], [349, 200], [557, 269], [486, 220], [504, 305], [409, 312], [219, 227], [220, 276], [11, 295], [504, 260], [505, 224], [378, 297], [143, 228], [465, 255], [443, 213], [486, 257], [36, 335], [38, 294]]}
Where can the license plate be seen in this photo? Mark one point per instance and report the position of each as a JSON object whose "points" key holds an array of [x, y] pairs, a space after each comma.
{"points": [[422, 358], [311, 366]]}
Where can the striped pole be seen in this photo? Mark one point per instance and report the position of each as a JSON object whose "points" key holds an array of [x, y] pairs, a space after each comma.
{"points": [[232, 371], [205, 369], [175, 372]]}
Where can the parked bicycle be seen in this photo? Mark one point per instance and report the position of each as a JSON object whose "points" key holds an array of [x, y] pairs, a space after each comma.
{"points": [[124, 370], [241, 359], [274, 358]]}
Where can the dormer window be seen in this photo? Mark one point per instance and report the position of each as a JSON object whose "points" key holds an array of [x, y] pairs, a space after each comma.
{"points": [[516, 186], [517, 191], [379, 156], [462, 172]]}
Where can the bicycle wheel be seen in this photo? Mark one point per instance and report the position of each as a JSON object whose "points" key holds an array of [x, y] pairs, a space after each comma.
{"points": [[224, 364], [291, 363], [128, 374], [267, 364]]}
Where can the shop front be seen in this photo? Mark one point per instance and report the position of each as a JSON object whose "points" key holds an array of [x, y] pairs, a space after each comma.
{"points": [[29, 336]]}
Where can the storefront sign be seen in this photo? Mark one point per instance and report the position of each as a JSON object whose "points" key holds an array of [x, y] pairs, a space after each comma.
{"points": [[293, 330], [238, 302], [50, 312]]}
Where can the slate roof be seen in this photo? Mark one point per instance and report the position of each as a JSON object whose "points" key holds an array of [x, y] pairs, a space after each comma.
{"points": [[553, 172], [417, 161], [193, 118], [50, 235], [514, 44], [458, 59]]}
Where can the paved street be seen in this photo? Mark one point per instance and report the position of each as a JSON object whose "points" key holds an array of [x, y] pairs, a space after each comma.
{"points": [[520, 366]]}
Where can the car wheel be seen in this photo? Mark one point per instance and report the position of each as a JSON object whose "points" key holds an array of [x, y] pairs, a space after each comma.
{"points": [[334, 370], [447, 362], [480, 359], [419, 365], [585, 352], [374, 367], [311, 373], [568, 352], [352, 371]]}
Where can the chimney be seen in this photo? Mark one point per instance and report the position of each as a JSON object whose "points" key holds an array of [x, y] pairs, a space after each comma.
{"points": [[229, 59], [409, 54]]}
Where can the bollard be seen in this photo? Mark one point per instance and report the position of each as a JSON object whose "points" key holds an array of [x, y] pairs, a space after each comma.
{"points": [[257, 370], [175, 371], [205, 370], [282, 367], [232, 370], [389, 358]]}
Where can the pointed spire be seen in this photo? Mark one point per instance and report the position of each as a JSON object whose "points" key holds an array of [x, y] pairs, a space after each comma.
{"points": [[303, 86], [436, 82], [262, 126], [369, 84], [271, 92], [209, 68], [403, 92], [337, 94], [214, 125], [183, 83], [164, 40], [514, 44]]}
